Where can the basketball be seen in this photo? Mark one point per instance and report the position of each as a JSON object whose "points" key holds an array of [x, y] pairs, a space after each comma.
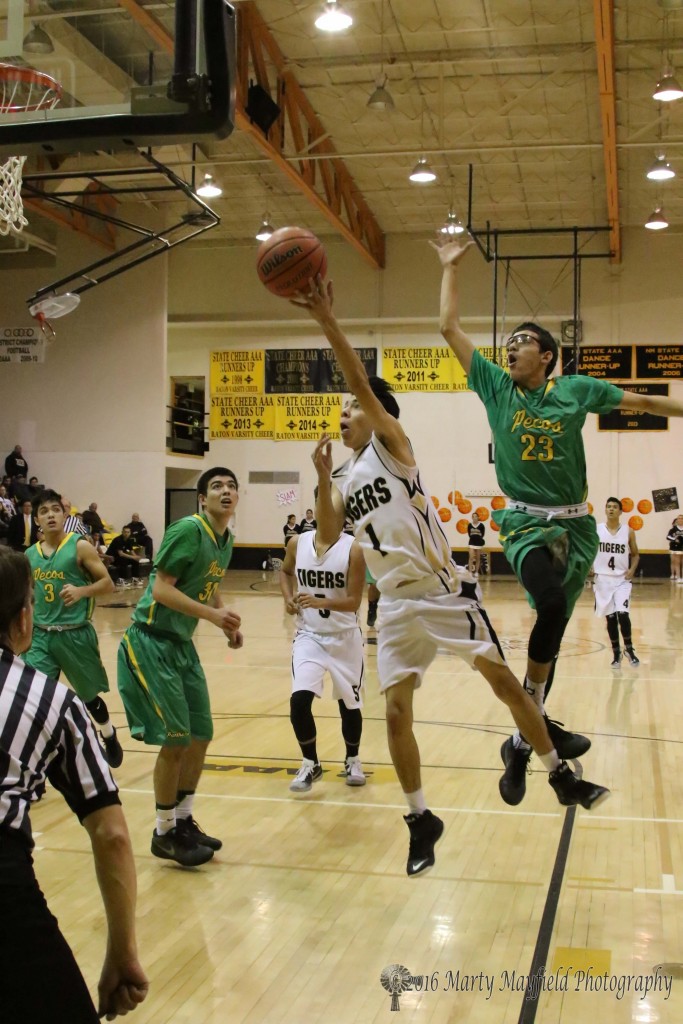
{"points": [[444, 514], [483, 513], [494, 525], [644, 506], [636, 523], [454, 497], [497, 503], [464, 506], [461, 526], [627, 504], [288, 260], [435, 501]]}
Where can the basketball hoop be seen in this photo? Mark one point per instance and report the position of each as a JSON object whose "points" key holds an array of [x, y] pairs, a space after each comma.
{"points": [[53, 306], [21, 89]]}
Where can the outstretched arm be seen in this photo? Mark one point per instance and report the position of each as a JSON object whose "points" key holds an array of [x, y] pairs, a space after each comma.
{"points": [[329, 504], [450, 254], [659, 405], [318, 301]]}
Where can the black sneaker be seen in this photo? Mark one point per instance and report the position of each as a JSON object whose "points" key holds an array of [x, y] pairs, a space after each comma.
{"points": [[512, 783], [567, 744], [425, 831], [189, 827], [113, 751], [372, 614], [570, 790], [616, 660], [309, 773], [178, 846], [631, 657]]}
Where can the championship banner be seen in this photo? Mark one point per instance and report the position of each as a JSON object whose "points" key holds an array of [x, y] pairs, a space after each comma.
{"points": [[418, 369], [291, 370], [234, 373], [306, 417], [331, 379], [244, 417], [22, 345]]}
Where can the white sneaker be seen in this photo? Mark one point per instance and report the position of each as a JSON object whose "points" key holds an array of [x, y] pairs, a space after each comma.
{"points": [[672, 576], [309, 773], [355, 775]]}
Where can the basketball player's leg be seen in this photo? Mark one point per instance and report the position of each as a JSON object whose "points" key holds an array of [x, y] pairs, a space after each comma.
{"points": [[347, 671], [308, 673]]}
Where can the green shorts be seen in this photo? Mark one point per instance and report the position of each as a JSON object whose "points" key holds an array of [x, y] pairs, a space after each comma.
{"points": [[76, 653], [369, 578], [163, 689], [520, 533]]}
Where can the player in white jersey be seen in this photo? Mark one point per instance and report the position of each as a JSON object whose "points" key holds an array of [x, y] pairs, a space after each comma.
{"points": [[426, 603], [614, 568], [322, 585]]}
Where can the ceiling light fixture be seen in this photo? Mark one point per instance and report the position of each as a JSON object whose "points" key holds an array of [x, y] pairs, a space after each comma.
{"points": [[381, 98], [453, 225], [668, 88], [38, 41], [208, 189], [334, 18], [422, 172], [266, 229], [661, 169], [657, 220]]}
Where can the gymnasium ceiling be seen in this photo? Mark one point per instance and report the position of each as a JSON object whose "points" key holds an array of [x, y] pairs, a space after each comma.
{"points": [[520, 89]]}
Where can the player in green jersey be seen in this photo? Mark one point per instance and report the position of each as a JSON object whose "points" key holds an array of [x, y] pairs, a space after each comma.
{"points": [[547, 534], [161, 682], [68, 575]]}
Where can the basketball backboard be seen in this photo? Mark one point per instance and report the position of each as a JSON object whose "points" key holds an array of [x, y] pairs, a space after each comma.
{"points": [[128, 77]]}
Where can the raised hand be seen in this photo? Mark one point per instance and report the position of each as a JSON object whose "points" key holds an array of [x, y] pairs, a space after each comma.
{"points": [[451, 253]]}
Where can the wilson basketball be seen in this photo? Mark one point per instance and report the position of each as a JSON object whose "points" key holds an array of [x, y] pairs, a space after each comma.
{"points": [[288, 260]]}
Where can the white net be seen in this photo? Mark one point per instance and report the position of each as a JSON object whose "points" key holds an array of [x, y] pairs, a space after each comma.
{"points": [[11, 207]]}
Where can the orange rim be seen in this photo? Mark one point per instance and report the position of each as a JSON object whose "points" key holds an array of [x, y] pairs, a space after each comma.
{"points": [[48, 89]]}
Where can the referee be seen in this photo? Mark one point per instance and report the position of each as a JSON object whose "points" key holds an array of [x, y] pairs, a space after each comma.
{"points": [[46, 734]]}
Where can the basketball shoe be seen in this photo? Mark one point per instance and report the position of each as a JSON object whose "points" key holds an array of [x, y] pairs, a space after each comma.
{"points": [[113, 751], [189, 827], [567, 744], [180, 847], [355, 776], [309, 773], [616, 660], [372, 614], [512, 783], [570, 790], [425, 831], [631, 657]]}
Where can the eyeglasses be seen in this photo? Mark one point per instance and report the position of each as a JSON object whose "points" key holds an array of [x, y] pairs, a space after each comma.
{"points": [[521, 339]]}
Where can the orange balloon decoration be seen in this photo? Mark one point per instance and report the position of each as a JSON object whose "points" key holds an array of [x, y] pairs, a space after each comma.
{"points": [[627, 504], [590, 508], [444, 514], [636, 523], [436, 501], [644, 506], [465, 506], [461, 526], [494, 525], [483, 513], [497, 503]]}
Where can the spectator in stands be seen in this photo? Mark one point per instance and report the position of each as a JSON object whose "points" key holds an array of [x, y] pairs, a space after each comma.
{"points": [[18, 490], [125, 560], [72, 523], [91, 519], [22, 531], [34, 487], [16, 464], [308, 523], [139, 534], [290, 529], [7, 512]]}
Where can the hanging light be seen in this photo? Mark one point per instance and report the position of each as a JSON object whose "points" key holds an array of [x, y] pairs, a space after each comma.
{"points": [[266, 229], [208, 188], [38, 41], [334, 18], [661, 169], [453, 225], [657, 220], [668, 88], [381, 98], [422, 172]]}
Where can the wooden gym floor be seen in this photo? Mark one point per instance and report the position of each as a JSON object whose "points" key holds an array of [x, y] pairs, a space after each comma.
{"points": [[308, 902]]}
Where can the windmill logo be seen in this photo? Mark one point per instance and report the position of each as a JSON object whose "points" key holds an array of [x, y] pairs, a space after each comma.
{"points": [[396, 979]]}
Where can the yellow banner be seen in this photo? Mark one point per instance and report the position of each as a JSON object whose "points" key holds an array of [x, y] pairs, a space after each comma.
{"points": [[306, 417], [237, 373], [242, 416], [418, 369]]}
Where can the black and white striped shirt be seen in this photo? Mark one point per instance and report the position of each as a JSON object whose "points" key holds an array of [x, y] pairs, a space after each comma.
{"points": [[46, 733], [72, 524]]}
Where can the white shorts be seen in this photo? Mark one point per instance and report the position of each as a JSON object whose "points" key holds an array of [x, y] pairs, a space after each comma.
{"points": [[340, 654], [414, 629], [612, 594]]}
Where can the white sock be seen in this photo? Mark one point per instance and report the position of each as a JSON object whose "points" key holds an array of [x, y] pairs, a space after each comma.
{"points": [[536, 691], [107, 729], [519, 743], [183, 809], [550, 761], [165, 820], [416, 802]]}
